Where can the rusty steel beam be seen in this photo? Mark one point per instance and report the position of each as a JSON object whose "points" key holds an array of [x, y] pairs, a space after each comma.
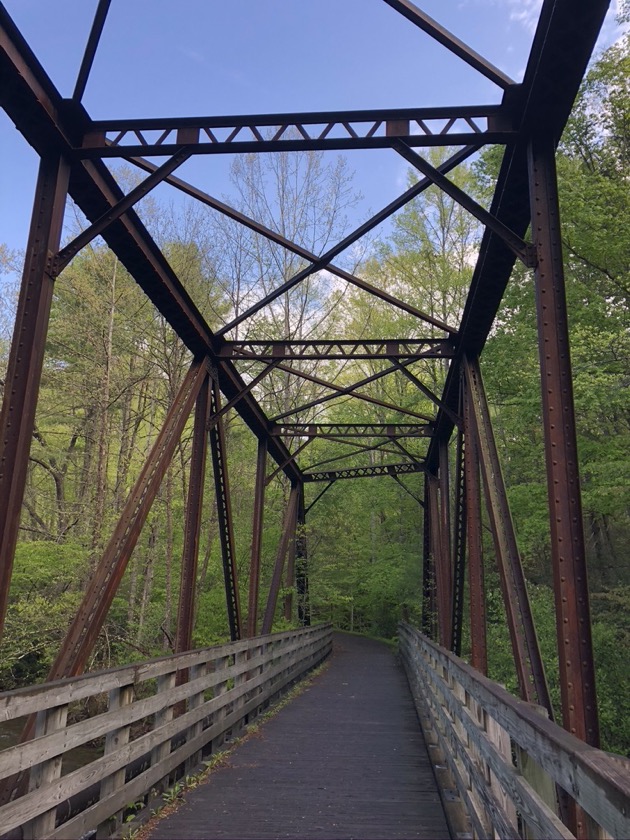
{"points": [[257, 532], [54, 125], [192, 523], [341, 349], [26, 358], [224, 515], [408, 491], [428, 393], [292, 457], [521, 249], [364, 472], [445, 561], [324, 130], [429, 611], [451, 42], [568, 552], [89, 54], [563, 43], [97, 227], [103, 585], [529, 666], [474, 522], [415, 190], [288, 531], [301, 563], [459, 547], [339, 430], [440, 567], [348, 390], [318, 496]]}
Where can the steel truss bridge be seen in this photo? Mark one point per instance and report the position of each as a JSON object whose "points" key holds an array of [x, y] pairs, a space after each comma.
{"points": [[582, 786]]}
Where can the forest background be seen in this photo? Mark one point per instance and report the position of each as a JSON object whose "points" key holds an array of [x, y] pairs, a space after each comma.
{"points": [[113, 366]]}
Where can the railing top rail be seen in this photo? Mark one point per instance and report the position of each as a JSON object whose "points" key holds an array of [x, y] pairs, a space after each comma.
{"points": [[25, 701], [598, 780]]}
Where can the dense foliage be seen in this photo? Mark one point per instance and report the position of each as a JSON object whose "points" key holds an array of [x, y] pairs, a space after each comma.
{"points": [[113, 366]]}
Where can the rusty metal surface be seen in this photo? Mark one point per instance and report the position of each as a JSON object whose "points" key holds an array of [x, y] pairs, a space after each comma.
{"points": [[192, 523], [62, 130], [87, 623], [476, 575], [532, 682], [568, 551], [27, 358], [257, 532], [224, 515]]}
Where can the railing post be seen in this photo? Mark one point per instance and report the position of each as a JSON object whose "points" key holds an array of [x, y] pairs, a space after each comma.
{"points": [[164, 683], [118, 698], [221, 664], [194, 701], [48, 720]]}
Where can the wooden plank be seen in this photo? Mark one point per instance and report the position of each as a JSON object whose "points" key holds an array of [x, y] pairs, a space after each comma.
{"points": [[600, 782], [30, 806], [45, 772], [22, 756], [344, 759], [79, 825], [32, 699]]}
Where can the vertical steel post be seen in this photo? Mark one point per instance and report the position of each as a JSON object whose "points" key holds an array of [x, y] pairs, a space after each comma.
{"points": [[290, 575], [445, 591], [428, 568], [192, 526], [224, 515], [441, 564], [459, 546], [257, 531], [27, 357], [301, 563], [577, 673], [476, 583], [529, 666], [288, 531]]}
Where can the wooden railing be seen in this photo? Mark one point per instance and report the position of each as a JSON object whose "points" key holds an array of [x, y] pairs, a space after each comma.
{"points": [[506, 757], [160, 719]]}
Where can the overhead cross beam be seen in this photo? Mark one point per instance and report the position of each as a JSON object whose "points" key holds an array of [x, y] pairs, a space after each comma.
{"points": [[325, 130]]}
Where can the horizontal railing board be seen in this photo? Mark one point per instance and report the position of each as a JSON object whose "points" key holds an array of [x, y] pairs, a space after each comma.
{"points": [[599, 782], [137, 786], [279, 659], [22, 756], [539, 817], [26, 701], [462, 788]]}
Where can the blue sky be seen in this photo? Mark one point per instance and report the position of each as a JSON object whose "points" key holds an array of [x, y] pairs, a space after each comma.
{"points": [[205, 57]]}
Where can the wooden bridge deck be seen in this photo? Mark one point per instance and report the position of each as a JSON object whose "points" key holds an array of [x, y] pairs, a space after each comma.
{"points": [[346, 759]]}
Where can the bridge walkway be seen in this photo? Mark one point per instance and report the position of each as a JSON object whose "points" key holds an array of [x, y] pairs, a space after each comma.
{"points": [[345, 759]]}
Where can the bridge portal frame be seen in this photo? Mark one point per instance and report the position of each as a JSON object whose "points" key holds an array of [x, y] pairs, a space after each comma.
{"points": [[528, 122]]}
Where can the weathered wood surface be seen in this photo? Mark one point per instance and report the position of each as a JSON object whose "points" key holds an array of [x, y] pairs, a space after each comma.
{"points": [[599, 782], [345, 759], [175, 715]]}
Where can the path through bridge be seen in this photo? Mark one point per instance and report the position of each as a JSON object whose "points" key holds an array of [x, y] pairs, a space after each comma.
{"points": [[347, 758]]}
